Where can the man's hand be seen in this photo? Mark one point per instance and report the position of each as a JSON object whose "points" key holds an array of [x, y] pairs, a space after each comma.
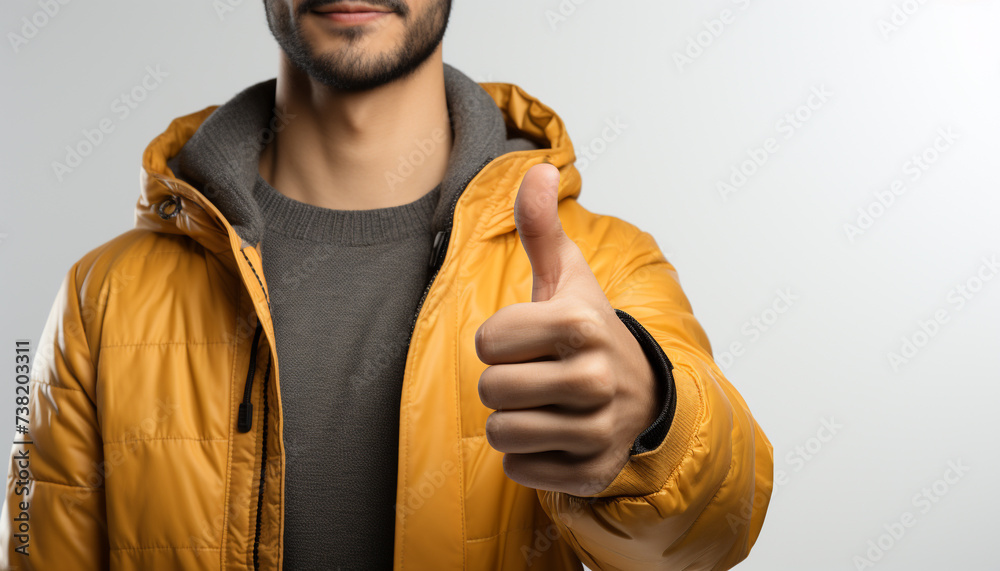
{"points": [[571, 386]]}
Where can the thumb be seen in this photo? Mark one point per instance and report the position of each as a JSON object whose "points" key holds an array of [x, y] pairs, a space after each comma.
{"points": [[536, 217]]}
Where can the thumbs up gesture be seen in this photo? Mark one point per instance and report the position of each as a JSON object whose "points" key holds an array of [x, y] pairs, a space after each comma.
{"points": [[570, 385]]}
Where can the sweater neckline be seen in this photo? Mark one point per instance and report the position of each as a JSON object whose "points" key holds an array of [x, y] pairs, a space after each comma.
{"points": [[295, 219]]}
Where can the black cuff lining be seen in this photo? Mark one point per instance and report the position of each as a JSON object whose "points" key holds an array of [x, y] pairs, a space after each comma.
{"points": [[653, 436]]}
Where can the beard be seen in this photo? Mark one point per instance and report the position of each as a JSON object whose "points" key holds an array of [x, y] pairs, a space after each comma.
{"points": [[351, 68]]}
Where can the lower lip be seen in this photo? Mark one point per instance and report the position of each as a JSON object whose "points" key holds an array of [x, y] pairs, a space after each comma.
{"points": [[352, 17]]}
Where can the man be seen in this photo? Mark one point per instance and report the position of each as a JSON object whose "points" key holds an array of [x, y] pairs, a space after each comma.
{"points": [[363, 323]]}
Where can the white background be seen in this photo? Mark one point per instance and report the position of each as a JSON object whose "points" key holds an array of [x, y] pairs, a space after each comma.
{"points": [[825, 357]]}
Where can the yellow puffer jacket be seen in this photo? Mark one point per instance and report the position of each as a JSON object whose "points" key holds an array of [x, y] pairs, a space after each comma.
{"points": [[136, 461]]}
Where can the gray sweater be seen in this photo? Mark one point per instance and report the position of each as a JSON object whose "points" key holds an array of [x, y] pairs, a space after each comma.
{"points": [[344, 286]]}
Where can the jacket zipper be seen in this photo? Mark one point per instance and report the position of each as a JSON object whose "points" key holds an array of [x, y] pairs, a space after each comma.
{"points": [[244, 419], [263, 473], [440, 247]]}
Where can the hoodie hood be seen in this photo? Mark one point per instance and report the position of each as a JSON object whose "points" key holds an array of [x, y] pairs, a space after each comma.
{"points": [[198, 175]]}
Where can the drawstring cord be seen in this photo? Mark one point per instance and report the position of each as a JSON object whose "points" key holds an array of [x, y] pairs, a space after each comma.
{"points": [[245, 417]]}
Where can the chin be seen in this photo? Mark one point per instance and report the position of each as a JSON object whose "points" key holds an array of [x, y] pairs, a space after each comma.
{"points": [[356, 40]]}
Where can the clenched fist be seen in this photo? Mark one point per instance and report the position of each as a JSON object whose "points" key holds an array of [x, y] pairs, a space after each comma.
{"points": [[570, 385]]}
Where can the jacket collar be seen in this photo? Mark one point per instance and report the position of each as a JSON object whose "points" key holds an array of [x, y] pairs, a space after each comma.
{"points": [[170, 205]]}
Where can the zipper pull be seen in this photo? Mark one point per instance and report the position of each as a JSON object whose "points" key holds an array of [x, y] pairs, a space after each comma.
{"points": [[245, 418], [438, 249]]}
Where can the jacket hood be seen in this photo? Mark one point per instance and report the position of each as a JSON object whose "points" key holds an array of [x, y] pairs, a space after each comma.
{"points": [[210, 215]]}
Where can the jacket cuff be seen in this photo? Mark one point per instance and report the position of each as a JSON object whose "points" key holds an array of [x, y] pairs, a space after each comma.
{"points": [[651, 438]]}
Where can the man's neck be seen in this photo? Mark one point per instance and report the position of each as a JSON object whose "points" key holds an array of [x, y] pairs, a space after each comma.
{"points": [[355, 151]]}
